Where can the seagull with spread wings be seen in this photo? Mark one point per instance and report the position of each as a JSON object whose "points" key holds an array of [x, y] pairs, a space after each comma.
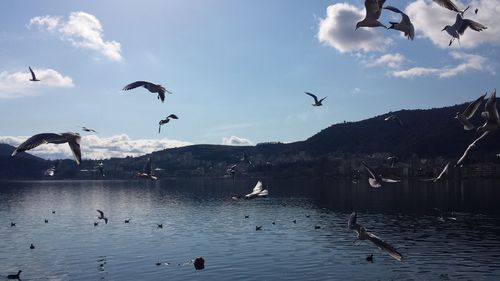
{"points": [[404, 25], [448, 4], [316, 101], [166, 120], [490, 113], [471, 109], [445, 169], [376, 180], [365, 235], [147, 172], [153, 88], [102, 217], [73, 139], [470, 147], [459, 27], [33, 76]]}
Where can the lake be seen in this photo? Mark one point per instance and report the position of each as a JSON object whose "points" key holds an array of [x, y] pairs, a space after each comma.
{"points": [[200, 219]]}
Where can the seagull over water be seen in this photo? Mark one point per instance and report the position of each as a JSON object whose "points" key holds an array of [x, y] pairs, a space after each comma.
{"points": [[471, 109], [459, 27], [102, 217], [316, 101], [166, 120], [153, 88], [33, 76], [404, 25], [73, 139], [445, 169], [376, 180], [147, 172], [365, 235], [470, 147], [373, 10]]}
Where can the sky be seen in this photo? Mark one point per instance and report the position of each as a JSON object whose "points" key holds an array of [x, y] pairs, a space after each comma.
{"points": [[237, 69]]}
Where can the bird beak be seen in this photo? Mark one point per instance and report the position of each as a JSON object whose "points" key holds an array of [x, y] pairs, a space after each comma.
{"points": [[443, 29]]}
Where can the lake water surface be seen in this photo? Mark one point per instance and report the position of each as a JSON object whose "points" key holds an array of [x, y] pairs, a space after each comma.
{"points": [[200, 219]]}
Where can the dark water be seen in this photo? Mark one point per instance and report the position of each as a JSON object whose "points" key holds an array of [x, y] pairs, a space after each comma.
{"points": [[200, 219]]}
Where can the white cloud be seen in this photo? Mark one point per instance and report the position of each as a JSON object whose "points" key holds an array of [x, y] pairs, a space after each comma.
{"points": [[429, 19], [234, 140], [95, 147], [83, 30], [469, 62], [388, 60], [17, 84], [337, 30]]}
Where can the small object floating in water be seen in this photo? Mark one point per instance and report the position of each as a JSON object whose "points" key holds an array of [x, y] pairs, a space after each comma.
{"points": [[53, 212], [160, 225], [258, 227], [317, 227], [273, 222], [46, 221], [199, 263], [32, 246], [308, 216], [247, 216], [12, 224], [96, 223], [369, 258], [294, 221], [127, 221], [14, 276], [158, 263]]}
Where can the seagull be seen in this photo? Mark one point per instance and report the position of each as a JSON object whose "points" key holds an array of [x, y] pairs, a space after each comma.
{"points": [[153, 88], [258, 227], [73, 139], [374, 180], [476, 10], [471, 146], [448, 4], [257, 191], [459, 27], [394, 118], [373, 10], [404, 25], [166, 120], [102, 217], [316, 101], [88, 129], [14, 276], [364, 235], [469, 112], [33, 76], [32, 246], [490, 113], [147, 172], [52, 170], [393, 160], [445, 169], [232, 170]]}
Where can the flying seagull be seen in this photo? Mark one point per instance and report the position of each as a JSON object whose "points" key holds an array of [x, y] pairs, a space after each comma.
{"points": [[490, 113], [464, 117], [404, 25], [476, 10], [153, 88], [52, 170], [448, 4], [445, 169], [376, 180], [373, 10], [365, 235], [102, 217], [147, 172], [257, 191], [166, 120], [459, 27], [33, 76], [88, 129], [471, 146], [394, 118], [316, 101], [73, 139]]}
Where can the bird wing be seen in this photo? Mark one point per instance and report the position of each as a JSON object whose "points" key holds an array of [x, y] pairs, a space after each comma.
{"points": [[384, 246], [136, 84], [491, 108], [314, 97], [159, 128], [394, 9], [373, 9], [399, 121], [147, 167], [442, 172], [75, 148], [471, 146], [473, 106], [447, 4], [173, 116], [322, 99], [372, 175], [390, 180], [458, 23], [101, 213], [474, 25], [32, 73], [352, 222], [161, 94], [35, 141]]}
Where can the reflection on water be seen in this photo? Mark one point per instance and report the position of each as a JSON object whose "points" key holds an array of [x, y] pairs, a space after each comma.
{"points": [[200, 219]]}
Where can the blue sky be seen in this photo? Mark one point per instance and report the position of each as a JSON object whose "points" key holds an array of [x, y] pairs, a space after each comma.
{"points": [[238, 69]]}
